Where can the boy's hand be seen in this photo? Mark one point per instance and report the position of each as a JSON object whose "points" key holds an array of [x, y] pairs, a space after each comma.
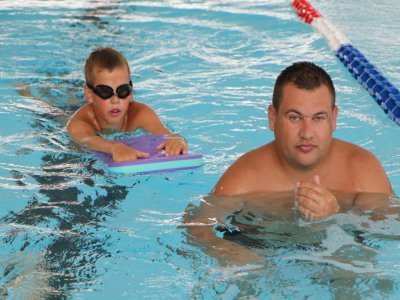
{"points": [[315, 201], [121, 152], [175, 145]]}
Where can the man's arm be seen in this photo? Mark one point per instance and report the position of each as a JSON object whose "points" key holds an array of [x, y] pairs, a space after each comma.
{"points": [[372, 188], [375, 188], [200, 223], [315, 201], [237, 178], [369, 173]]}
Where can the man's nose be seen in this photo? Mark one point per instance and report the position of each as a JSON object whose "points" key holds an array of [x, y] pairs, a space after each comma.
{"points": [[306, 131]]}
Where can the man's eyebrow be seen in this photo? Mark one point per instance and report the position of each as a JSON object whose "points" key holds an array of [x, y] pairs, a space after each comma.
{"points": [[321, 113], [299, 113], [292, 111]]}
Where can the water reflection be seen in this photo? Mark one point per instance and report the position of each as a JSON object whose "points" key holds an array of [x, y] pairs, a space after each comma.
{"points": [[67, 233], [54, 243], [336, 255]]}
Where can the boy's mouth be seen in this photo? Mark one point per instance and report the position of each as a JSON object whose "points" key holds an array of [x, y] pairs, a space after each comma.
{"points": [[115, 112]]}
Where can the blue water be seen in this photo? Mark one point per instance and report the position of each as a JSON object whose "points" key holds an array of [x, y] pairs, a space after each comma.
{"points": [[70, 229]]}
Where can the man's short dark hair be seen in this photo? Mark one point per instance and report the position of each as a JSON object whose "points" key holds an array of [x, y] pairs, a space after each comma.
{"points": [[304, 75]]}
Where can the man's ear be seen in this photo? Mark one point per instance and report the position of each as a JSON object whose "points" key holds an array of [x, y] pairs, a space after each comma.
{"points": [[88, 94], [271, 117], [335, 112]]}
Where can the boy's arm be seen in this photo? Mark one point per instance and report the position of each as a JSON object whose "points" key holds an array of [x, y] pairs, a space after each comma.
{"points": [[148, 120], [84, 134]]}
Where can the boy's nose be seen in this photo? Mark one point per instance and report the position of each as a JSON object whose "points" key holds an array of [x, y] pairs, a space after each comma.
{"points": [[114, 98]]}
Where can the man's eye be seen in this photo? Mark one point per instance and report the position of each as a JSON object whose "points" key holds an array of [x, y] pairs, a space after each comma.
{"points": [[294, 118], [319, 118]]}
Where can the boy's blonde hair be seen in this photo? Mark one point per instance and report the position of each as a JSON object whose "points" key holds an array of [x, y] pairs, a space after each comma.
{"points": [[103, 58]]}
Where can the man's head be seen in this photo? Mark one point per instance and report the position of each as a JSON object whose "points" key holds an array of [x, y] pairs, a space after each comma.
{"points": [[103, 58], [304, 75], [303, 115]]}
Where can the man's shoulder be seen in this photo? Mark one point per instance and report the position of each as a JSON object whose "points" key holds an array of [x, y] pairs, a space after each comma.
{"points": [[348, 148], [251, 163], [255, 156], [364, 169], [355, 155]]}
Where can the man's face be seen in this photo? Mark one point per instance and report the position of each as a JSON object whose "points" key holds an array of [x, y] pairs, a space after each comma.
{"points": [[303, 125]]}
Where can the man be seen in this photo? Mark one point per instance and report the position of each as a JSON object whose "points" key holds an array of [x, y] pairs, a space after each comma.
{"points": [[304, 161], [304, 156]]}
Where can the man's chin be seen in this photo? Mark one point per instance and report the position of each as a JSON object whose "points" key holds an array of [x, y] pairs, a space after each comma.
{"points": [[307, 165]]}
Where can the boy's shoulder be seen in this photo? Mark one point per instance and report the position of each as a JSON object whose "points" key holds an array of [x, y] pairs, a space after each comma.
{"points": [[84, 113], [140, 115], [136, 109], [83, 120]]}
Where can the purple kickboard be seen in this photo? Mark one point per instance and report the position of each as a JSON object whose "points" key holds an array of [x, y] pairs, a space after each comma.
{"points": [[147, 143]]}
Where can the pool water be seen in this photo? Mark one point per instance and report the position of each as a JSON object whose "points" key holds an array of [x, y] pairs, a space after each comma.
{"points": [[71, 229]]}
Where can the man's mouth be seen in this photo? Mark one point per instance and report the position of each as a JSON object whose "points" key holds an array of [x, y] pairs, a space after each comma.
{"points": [[306, 148]]}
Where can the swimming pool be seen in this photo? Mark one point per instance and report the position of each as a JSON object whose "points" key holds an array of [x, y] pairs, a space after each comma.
{"points": [[69, 229]]}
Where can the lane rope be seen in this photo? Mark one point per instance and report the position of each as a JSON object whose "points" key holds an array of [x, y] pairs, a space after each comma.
{"points": [[379, 87]]}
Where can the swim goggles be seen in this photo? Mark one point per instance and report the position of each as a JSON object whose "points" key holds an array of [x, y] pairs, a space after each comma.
{"points": [[105, 92]]}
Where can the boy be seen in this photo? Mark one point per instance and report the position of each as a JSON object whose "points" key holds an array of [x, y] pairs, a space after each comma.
{"points": [[111, 108]]}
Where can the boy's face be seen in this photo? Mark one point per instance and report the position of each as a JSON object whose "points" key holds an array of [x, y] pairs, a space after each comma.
{"points": [[110, 113]]}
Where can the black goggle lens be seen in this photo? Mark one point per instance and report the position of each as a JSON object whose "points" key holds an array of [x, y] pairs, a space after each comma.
{"points": [[105, 92]]}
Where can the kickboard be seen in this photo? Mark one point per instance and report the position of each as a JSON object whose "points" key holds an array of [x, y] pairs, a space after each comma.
{"points": [[157, 162]]}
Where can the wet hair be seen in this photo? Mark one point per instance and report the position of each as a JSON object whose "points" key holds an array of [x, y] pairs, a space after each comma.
{"points": [[103, 58], [304, 75]]}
